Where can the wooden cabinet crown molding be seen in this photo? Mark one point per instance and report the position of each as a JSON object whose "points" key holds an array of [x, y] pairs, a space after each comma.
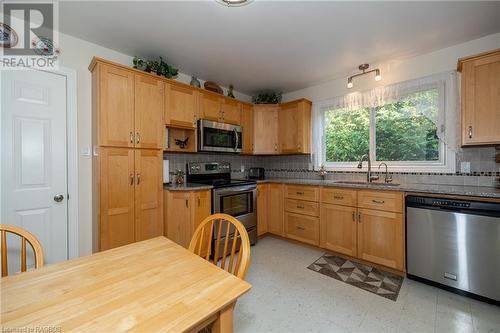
{"points": [[461, 61], [98, 60]]}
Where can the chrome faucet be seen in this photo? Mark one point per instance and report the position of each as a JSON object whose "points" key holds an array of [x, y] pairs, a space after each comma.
{"points": [[369, 177], [388, 178]]}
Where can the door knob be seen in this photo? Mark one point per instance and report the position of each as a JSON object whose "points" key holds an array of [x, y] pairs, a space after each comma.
{"points": [[58, 198]]}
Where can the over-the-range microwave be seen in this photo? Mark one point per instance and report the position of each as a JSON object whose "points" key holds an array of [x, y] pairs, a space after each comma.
{"points": [[219, 137]]}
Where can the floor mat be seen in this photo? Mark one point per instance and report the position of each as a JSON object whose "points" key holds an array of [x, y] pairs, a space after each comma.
{"points": [[369, 278]]}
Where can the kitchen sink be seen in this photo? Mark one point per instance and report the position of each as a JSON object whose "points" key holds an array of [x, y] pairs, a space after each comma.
{"points": [[353, 182]]}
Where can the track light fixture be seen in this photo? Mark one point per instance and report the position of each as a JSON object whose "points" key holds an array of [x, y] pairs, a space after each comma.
{"points": [[364, 67]]}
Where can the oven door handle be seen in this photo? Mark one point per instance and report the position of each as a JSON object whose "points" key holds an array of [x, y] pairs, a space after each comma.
{"points": [[236, 141], [235, 190]]}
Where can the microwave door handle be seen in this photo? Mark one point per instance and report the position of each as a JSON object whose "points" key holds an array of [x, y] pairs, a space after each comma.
{"points": [[237, 140]]}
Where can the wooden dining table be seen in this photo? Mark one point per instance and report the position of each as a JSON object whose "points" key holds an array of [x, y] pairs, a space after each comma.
{"points": [[150, 286]]}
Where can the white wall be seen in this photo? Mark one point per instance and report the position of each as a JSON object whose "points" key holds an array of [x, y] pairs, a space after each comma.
{"points": [[398, 70], [76, 54]]}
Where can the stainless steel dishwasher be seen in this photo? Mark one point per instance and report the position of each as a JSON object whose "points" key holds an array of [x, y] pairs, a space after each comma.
{"points": [[454, 244]]}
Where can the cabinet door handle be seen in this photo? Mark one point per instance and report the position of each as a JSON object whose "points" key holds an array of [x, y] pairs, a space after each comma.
{"points": [[300, 207], [301, 228], [470, 132], [378, 201], [187, 203], [338, 197], [199, 202], [131, 179], [299, 193], [138, 178], [137, 138], [353, 217], [131, 137], [359, 217]]}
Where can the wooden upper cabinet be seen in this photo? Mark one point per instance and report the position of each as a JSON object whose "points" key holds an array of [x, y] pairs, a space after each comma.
{"points": [[210, 106], [265, 138], [149, 101], [115, 98], [230, 109], [294, 124], [181, 105], [380, 237], [148, 194], [247, 128], [116, 185], [481, 98]]}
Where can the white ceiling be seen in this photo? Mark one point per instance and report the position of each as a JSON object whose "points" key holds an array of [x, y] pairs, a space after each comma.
{"points": [[277, 45]]}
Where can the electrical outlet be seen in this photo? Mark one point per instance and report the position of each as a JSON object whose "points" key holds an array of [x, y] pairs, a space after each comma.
{"points": [[465, 167]]}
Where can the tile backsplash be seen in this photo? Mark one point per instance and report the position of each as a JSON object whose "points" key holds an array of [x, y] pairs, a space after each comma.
{"points": [[484, 169]]}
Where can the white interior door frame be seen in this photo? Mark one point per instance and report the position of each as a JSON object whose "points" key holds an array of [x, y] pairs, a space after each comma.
{"points": [[72, 157]]}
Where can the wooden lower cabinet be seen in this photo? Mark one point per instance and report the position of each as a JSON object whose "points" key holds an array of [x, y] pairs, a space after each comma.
{"points": [[202, 208], [148, 194], [275, 209], [339, 229], [130, 195], [184, 211], [116, 197], [380, 237], [302, 228], [261, 209]]}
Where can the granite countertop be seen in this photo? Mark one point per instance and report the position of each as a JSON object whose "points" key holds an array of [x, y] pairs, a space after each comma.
{"points": [[186, 187], [476, 191]]}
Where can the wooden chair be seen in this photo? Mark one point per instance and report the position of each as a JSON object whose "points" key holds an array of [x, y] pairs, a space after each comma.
{"points": [[25, 237], [201, 243]]}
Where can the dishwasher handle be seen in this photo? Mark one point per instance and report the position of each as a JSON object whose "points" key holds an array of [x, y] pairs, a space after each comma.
{"points": [[461, 206]]}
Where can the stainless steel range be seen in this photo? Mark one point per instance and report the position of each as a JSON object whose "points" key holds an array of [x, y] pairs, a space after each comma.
{"points": [[233, 197]]}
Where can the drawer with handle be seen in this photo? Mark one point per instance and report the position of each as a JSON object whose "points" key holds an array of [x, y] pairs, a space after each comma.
{"points": [[302, 207], [338, 196], [302, 228], [302, 192], [381, 200]]}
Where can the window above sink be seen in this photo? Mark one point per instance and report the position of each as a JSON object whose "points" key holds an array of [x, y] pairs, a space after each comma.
{"points": [[411, 127]]}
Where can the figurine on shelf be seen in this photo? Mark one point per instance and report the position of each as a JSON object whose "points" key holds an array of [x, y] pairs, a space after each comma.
{"points": [[230, 91], [179, 177], [322, 171], [195, 82], [182, 143]]}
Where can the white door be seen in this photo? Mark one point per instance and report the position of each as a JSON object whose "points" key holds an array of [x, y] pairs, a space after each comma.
{"points": [[34, 164]]}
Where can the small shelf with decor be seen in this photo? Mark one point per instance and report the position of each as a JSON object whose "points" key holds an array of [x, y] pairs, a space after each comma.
{"points": [[179, 139]]}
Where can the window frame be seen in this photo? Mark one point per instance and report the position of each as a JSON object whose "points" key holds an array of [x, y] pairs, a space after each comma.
{"points": [[445, 164]]}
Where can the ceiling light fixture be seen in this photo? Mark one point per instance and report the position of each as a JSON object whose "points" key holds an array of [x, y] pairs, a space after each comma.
{"points": [[234, 3], [364, 68]]}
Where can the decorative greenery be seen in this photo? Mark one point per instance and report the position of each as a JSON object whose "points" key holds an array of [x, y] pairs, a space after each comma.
{"points": [[267, 98], [402, 131], [159, 67]]}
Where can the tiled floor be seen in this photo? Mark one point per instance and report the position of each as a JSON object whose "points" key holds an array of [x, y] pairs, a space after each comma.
{"points": [[288, 297]]}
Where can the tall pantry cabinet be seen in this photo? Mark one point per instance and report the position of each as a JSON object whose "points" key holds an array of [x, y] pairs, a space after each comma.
{"points": [[127, 116]]}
